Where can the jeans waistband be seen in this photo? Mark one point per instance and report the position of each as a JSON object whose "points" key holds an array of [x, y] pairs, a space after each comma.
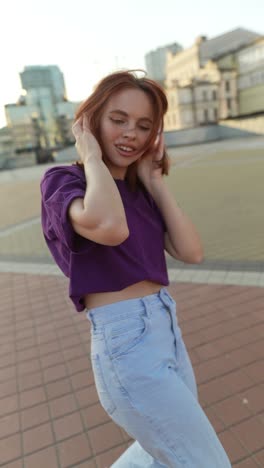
{"points": [[105, 314]]}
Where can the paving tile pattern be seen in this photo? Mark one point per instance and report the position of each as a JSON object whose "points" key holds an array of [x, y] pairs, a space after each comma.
{"points": [[219, 185], [50, 415]]}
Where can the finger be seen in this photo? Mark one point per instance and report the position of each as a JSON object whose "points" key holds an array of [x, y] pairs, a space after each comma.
{"points": [[161, 144], [161, 140], [160, 148], [156, 142], [86, 123], [77, 128], [158, 163]]}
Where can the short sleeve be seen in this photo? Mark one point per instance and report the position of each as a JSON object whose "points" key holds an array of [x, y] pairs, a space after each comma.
{"points": [[162, 222], [59, 188], [156, 210]]}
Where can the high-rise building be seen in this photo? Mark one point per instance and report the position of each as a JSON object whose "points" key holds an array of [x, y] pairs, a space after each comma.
{"points": [[41, 120], [156, 61], [44, 76]]}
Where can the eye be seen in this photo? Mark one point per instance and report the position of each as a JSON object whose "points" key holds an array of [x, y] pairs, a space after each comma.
{"points": [[145, 129], [117, 121]]}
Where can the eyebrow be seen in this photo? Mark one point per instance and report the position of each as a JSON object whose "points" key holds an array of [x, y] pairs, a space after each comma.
{"points": [[118, 111]]}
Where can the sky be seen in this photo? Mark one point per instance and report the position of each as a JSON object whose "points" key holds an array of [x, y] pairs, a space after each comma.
{"points": [[88, 39]]}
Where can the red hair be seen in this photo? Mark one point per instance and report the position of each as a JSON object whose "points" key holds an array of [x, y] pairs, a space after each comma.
{"points": [[93, 108]]}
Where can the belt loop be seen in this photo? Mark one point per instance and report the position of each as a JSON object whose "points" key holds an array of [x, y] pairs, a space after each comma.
{"points": [[90, 317], [164, 297], [146, 305], [170, 304]]}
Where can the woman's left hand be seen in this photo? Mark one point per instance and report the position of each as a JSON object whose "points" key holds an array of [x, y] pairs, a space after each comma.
{"points": [[149, 167]]}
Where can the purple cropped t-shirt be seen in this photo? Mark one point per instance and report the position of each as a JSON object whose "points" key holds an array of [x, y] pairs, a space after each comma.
{"points": [[93, 267]]}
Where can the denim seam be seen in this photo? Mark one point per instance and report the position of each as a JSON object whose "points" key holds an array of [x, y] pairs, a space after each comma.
{"points": [[112, 356], [151, 421], [99, 369]]}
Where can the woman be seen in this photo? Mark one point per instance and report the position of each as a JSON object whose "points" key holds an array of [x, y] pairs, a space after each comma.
{"points": [[107, 221]]}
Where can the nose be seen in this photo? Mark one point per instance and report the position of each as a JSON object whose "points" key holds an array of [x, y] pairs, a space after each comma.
{"points": [[130, 133]]}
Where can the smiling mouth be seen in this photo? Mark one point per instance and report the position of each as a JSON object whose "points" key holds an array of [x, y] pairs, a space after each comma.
{"points": [[127, 150]]}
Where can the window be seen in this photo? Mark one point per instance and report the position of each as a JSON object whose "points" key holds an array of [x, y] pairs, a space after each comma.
{"points": [[227, 86], [204, 95], [229, 103], [215, 114], [214, 95], [205, 115]]}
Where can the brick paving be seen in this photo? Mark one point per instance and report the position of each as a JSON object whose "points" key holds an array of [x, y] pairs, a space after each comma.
{"points": [[50, 415]]}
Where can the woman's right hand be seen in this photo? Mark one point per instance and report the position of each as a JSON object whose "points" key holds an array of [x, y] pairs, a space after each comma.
{"points": [[86, 144]]}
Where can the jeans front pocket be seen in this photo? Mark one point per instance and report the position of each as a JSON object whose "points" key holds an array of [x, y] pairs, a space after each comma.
{"points": [[124, 335], [101, 387]]}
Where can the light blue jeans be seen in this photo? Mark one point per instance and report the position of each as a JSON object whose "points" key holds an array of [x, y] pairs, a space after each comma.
{"points": [[145, 382]]}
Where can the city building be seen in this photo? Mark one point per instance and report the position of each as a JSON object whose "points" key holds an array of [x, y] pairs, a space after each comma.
{"points": [[155, 61], [7, 152], [202, 81], [44, 76], [250, 65], [41, 120], [65, 116]]}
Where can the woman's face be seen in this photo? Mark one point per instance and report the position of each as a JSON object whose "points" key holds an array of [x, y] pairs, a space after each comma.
{"points": [[125, 126]]}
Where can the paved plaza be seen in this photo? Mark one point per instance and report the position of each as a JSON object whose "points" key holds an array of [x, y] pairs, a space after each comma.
{"points": [[49, 410]]}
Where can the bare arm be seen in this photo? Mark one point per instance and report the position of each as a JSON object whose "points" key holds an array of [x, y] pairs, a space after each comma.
{"points": [[100, 216], [181, 239]]}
